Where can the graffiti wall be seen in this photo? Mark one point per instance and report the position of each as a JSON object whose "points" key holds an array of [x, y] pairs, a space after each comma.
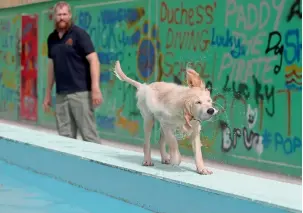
{"points": [[9, 66], [249, 55], [117, 31], [29, 67], [46, 119], [247, 52]]}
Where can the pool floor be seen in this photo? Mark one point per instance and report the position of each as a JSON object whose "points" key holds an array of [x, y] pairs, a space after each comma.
{"points": [[22, 191]]}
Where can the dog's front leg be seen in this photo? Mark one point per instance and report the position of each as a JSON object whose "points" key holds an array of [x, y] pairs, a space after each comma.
{"points": [[148, 126], [196, 146]]}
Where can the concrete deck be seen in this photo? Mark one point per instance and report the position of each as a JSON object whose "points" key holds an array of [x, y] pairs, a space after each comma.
{"points": [[181, 189]]}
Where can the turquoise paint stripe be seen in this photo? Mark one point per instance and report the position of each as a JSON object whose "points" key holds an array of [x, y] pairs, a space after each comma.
{"points": [[22, 191], [151, 193]]}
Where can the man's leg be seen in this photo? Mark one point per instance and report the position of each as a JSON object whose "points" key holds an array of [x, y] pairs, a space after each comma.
{"points": [[66, 125], [83, 112]]}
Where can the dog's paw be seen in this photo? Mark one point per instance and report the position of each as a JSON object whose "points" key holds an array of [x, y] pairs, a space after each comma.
{"points": [[204, 171], [165, 161], [147, 163], [175, 160]]}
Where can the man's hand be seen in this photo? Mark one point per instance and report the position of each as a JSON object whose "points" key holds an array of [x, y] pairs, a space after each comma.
{"points": [[47, 102], [97, 98]]}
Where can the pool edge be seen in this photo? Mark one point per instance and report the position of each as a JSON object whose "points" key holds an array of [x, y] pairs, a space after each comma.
{"points": [[120, 169]]}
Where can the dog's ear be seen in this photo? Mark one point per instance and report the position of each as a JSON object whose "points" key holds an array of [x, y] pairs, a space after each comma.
{"points": [[187, 114], [193, 79], [207, 91], [187, 106], [192, 72]]}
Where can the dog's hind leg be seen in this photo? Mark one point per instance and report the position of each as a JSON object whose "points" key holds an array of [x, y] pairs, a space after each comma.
{"points": [[148, 127], [164, 155], [175, 156], [148, 120]]}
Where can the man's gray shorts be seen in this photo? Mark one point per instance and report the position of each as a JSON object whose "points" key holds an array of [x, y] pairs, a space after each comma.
{"points": [[75, 112]]}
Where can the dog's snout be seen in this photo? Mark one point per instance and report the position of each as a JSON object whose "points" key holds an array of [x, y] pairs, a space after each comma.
{"points": [[210, 111]]}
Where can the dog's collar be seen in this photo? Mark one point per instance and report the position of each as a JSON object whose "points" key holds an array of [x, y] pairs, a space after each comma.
{"points": [[193, 118]]}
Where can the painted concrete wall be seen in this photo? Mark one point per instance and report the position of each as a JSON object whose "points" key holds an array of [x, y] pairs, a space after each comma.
{"points": [[15, 3], [248, 53]]}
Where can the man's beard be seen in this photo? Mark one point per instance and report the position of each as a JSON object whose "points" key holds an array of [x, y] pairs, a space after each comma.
{"points": [[63, 25]]}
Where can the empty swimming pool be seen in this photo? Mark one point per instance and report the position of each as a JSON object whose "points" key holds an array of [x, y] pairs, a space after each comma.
{"points": [[22, 191]]}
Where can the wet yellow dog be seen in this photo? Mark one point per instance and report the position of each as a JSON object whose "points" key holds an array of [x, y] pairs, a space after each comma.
{"points": [[175, 107]]}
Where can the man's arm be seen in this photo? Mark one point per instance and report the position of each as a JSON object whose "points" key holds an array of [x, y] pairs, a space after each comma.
{"points": [[88, 49], [50, 72], [94, 69], [50, 76]]}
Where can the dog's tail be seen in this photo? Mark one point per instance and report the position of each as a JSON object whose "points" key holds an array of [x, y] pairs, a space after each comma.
{"points": [[122, 77]]}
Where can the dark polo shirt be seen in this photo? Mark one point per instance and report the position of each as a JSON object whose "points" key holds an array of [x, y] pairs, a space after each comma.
{"points": [[71, 68]]}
